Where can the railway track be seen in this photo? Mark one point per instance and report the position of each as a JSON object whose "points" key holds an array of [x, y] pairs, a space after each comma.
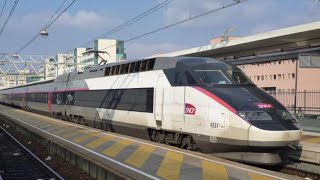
{"points": [[17, 162]]}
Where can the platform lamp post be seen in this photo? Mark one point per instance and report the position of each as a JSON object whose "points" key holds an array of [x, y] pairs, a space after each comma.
{"points": [[44, 33]]}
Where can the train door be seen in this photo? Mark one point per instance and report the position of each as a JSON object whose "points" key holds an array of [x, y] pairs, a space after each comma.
{"points": [[24, 100], [158, 109], [50, 101], [173, 110]]}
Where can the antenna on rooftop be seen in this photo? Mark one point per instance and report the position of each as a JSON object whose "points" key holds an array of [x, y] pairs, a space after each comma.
{"points": [[225, 34]]}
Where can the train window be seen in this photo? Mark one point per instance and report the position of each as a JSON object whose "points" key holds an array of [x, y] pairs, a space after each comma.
{"points": [[131, 67], [178, 80], [126, 68], [122, 69], [107, 72], [59, 98], [117, 70], [112, 70], [143, 66], [190, 80], [140, 100], [210, 77], [37, 97], [137, 66], [237, 77], [69, 98], [150, 64]]}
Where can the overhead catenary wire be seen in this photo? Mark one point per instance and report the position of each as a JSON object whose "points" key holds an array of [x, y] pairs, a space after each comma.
{"points": [[49, 23], [9, 16], [55, 13], [181, 22], [131, 21], [2, 9]]}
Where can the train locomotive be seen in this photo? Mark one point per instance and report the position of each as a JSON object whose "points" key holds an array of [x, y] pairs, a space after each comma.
{"points": [[200, 104]]}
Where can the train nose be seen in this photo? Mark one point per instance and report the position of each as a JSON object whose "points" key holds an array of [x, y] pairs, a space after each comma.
{"points": [[259, 137]]}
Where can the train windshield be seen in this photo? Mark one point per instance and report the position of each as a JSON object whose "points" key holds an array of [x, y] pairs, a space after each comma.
{"points": [[237, 77], [211, 77]]}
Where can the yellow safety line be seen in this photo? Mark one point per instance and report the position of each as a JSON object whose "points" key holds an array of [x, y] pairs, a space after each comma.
{"points": [[84, 137], [59, 131], [96, 143], [139, 157], [116, 148], [74, 133], [170, 166], [70, 134], [259, 177], [312, 140], [212, 170]]}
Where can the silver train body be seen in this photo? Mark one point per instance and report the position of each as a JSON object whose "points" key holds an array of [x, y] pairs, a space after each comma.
{"points": [[199, 104]]}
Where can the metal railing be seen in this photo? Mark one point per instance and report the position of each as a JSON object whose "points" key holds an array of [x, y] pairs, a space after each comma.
{"points": [[302, 103]]}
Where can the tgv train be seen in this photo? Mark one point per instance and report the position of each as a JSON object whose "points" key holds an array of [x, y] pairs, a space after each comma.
{"points": [[200, 104]]}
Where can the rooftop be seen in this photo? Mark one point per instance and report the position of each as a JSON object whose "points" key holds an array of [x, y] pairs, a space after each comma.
{"points": [[305, 35]]}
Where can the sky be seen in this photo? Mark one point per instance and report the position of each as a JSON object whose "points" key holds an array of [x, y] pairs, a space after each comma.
{"points": [[87, 19]]}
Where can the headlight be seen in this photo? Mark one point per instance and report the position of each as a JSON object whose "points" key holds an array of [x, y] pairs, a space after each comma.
{"points": [[286, 115], [255, 115]]}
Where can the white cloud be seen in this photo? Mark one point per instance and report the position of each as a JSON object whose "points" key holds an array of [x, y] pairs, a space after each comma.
{"points": [[87, 20], [139, 50], [81, 19]]}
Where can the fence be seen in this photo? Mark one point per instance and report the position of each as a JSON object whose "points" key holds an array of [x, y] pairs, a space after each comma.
{"points": [[300, 102]]}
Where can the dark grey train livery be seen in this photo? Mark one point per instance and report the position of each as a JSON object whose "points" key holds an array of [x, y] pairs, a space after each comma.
{"points": [[195, 103]]}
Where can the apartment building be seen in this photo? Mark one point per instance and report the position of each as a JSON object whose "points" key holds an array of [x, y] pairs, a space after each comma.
{"points": [[283, 75], [12, 80]]}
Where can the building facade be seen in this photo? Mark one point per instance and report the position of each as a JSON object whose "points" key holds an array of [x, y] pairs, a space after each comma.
{"points": [[294, 85], [283, 75], [55, 67], [12, 80]]}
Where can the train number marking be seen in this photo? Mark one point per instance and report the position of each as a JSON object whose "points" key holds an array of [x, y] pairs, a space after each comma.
{"points": [[190, 109], [216, 126]]}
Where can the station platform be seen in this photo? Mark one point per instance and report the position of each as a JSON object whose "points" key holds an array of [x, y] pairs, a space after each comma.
{"points": [[135, 158], [310, 148]]}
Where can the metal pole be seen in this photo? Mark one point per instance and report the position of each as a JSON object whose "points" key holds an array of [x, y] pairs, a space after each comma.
{"points": [[296, 87], [305, 101]]}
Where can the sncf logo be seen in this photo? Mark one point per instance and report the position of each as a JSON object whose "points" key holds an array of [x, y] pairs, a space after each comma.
{"points": [[190, 109], [264, 105]]}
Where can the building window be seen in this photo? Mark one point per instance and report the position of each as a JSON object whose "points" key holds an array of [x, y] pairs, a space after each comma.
{"points": [[279, 76], [288, 75], [283, 76], [258, 78], [266, 77], [262, 78], [274, 77], [293, 75]]}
